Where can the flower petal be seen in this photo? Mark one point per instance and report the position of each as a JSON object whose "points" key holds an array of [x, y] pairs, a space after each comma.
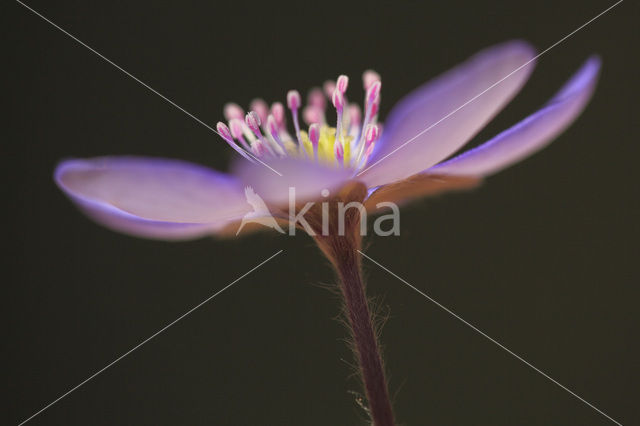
{"points": [[531, 134], [438, 118], [307, 177], [152, 197]]}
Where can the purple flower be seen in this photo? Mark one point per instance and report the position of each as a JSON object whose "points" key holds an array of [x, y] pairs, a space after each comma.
{"points": [[171, 199]]}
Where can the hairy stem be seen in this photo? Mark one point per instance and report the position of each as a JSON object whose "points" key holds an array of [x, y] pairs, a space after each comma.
{"points": [[364, 336], [340, 244]]}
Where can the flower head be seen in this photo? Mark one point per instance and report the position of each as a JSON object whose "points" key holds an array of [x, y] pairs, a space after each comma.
{"points": [[407, 157], [263, 134]]}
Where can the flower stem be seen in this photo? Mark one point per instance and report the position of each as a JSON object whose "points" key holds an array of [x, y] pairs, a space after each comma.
{"points": [[341, 245], [367, 349]]}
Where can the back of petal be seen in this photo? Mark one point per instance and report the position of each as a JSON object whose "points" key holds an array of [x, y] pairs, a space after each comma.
{"points": [[306, 178], [151, 197], [531, 134], [438, 118]]}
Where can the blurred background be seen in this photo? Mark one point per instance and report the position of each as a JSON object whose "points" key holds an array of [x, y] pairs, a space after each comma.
{"points": [[543, 257]]}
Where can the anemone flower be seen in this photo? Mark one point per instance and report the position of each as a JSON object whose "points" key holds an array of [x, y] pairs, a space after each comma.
{"points": [[357, 160]]}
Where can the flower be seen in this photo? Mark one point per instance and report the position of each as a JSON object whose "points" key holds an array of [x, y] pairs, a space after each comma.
{"points": [[171, 199]]}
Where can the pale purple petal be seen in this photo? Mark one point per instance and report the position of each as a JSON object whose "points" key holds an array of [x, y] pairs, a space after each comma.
{"points": [[151, 197], [307, 177], [438, 118], [531, 134]]}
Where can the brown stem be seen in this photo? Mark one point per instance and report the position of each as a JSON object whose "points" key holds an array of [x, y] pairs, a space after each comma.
{"points": [[340, 246], [365, 339]]}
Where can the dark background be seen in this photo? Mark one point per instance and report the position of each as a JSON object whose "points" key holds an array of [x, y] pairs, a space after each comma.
{"points": [[543, 257]]}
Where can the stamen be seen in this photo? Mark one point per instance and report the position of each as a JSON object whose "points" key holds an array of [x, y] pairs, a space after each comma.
{"points": [[237, 131], [372, 100], [232, 111], [317, 99], [374, 107], [338, 103], [223, 131], [312, 114], [259, 149], [272, 128], [277, 110], [263, 130], [293, 99], [314, 137], [371, 134], [338, 99], [260, 106], [293, 102], [355, 117], [342, 83], [373, 91], [339, 152], [253, 122], [369, 77], [367, 154], [329, 87], [269, 141]]}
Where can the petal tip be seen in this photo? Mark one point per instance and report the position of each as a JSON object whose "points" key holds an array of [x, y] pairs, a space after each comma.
{"points": [[531, 134], [520, 50], [150, 197]]}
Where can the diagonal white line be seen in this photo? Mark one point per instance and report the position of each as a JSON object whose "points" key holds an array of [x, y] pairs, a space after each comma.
{"points": [[140, 81], [149, 338], [491, 339], [492, 86]]}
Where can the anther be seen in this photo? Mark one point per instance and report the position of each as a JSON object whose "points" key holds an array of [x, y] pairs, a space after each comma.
{"points": [[261, 107], [329, 87], [317, 99], [293, 102], [253, 121], [236, 126], [232, 111], [312, 114], [314, 137], [372, 102], [373, 91], [223, 131], [277, 110], [371, 134], [342, 83], [272, 126], [338, 100], [369, 77], [237, 131]]}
